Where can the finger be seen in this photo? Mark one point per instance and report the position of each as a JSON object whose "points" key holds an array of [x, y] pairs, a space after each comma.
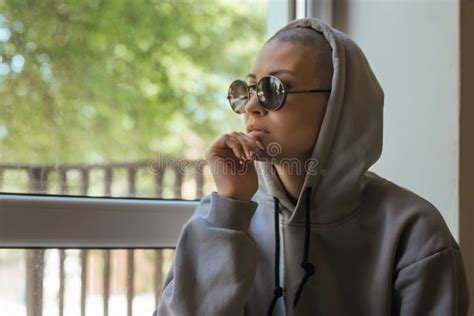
{"points": [[254, 139], [235, 146], [220, 149], [254, 143], [246, 144]]}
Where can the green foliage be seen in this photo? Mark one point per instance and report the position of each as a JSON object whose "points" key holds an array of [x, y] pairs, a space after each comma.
{"points": [[120, 80]]}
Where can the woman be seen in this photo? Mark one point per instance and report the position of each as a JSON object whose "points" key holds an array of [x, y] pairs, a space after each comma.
{"points": [[298, 225]]}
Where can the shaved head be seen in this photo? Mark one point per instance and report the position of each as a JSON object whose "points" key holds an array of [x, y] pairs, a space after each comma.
{"points": [[317, 42]]}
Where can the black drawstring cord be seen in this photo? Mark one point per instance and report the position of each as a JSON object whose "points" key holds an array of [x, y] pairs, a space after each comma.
{"points": [[278, 291], [305, 264]]}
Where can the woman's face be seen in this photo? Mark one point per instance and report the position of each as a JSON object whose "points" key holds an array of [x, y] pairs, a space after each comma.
{"points": [[295, 127]]}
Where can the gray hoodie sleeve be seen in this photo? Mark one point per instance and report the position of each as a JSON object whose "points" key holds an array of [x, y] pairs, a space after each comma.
{"points": [[215, 261], [435, 285], [432, 282]]}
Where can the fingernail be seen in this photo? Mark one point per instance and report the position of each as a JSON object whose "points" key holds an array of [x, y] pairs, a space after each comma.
{"points": [[259, 144], [251, 154], [243, 158]]}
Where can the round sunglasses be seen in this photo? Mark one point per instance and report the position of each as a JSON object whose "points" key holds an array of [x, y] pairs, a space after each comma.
{"points": [[271, 93]]}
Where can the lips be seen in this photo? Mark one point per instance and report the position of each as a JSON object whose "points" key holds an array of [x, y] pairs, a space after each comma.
{"points": [[253, 128]]}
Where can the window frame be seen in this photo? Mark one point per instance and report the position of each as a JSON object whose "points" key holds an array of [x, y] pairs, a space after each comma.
{"points": [[34, 221]]}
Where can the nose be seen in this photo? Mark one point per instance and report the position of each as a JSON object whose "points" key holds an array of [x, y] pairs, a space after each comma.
{"points": [[253, 105]]}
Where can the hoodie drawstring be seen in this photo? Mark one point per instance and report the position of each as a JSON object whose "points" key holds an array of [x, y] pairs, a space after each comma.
{"points": [[278, 291], [305, 264]]}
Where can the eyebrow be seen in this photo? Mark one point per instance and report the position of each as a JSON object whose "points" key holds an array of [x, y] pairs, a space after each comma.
{"points": [[274, 72]]}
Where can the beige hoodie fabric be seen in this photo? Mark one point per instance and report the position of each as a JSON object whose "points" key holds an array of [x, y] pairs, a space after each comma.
{"points": [[354, 244]]}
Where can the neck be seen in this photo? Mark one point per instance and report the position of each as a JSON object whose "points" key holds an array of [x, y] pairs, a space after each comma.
{"points": [[292, 179]]}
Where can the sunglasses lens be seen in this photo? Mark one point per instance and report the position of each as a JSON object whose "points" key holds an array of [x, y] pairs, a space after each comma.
{"points": [[238, 96], [271, 92]]}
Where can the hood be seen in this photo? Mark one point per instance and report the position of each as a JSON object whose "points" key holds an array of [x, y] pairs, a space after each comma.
{"points": [[350, 137]]}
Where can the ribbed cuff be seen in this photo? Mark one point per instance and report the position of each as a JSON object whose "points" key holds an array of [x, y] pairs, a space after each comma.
{"points": [[229, 213]]}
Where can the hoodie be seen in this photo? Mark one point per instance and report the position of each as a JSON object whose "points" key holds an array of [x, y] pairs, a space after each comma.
{"points": [[355, 243]]}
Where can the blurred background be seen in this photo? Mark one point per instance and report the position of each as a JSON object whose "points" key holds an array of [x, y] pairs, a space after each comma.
{"points": [[86, 85]]}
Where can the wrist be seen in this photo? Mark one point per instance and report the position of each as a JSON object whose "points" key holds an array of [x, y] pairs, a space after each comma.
{"points": [[235, 196]]}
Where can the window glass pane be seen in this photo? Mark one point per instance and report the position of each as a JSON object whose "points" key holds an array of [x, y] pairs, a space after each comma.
{"points": [[73, 280], [105, 98]]}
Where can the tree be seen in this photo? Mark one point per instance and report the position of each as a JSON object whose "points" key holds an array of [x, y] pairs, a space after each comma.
{"points": [[95, 81]]}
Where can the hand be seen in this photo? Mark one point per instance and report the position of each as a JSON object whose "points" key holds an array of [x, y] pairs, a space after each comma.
{"points": [[231, 159]]}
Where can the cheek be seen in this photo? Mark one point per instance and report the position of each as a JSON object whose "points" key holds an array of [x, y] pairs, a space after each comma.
{"points": [[297, 136], [304, 137], [311, 123]]}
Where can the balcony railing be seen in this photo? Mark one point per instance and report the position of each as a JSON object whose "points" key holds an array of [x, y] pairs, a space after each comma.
{"points": [[42, 178]]}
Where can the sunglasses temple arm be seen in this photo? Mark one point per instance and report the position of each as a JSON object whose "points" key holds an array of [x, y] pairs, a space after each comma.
{"points": [[307, 91]]}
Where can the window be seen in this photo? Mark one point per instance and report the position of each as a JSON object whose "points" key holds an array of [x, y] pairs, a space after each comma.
{"points": [[109, 98]]}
